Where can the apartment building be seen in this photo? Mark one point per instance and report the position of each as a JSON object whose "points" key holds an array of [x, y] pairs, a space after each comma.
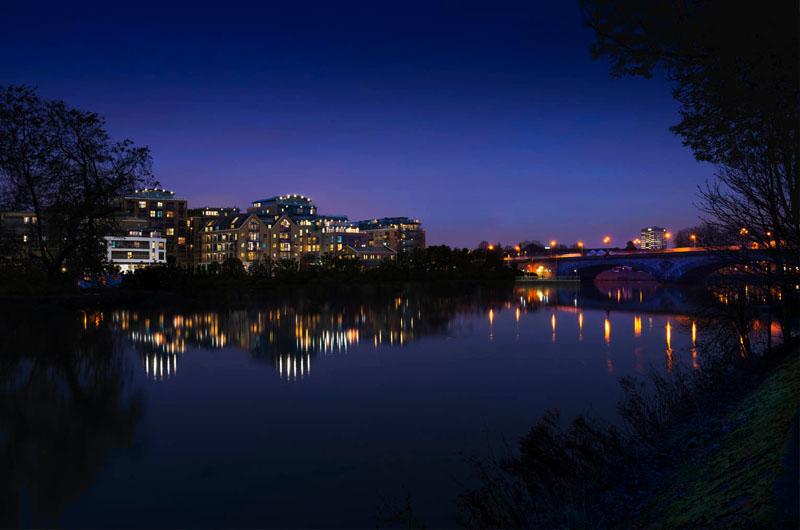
{"points": [[242, 236], [139, 247], [166, 213]]}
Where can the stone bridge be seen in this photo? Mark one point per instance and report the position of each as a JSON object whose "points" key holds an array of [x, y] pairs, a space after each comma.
{"points": [[667, 265]]}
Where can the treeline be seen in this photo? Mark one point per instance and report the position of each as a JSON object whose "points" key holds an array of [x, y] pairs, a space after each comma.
{"points": [[429, 264]]}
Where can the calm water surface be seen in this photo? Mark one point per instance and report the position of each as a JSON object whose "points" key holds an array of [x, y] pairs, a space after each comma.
{"points": [[305, 408]]}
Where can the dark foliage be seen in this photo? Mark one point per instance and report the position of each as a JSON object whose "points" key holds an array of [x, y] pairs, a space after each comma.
{"points": [[588, 475], [60, 164], [430, 264], [734, 73]]}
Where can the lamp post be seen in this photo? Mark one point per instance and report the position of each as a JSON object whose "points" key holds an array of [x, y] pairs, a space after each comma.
{"points": [[693, 237], [607, 240], [667, 236], [580, 247]]}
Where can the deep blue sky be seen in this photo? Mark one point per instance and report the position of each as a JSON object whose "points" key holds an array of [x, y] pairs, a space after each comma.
{"points": [[486, 121]]}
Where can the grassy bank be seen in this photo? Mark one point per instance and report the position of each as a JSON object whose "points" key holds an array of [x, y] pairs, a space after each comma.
{"points": [[730, 481], [696, 450]]}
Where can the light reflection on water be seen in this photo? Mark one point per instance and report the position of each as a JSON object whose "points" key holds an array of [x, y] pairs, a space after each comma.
{"points": [[301, 409], [290, 338]]}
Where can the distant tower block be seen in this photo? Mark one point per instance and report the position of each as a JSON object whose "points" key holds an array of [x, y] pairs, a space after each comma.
{"points": [[654, 238]]}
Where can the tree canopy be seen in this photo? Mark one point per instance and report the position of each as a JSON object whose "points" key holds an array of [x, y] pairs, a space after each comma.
{"points": [[733, 68], [61, 164]]}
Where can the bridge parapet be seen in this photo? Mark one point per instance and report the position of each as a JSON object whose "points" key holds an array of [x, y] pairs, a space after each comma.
{"points": [[672, 265]]}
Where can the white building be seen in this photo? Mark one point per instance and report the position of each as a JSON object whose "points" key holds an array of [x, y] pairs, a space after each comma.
{"points": [[653, 238], [140, 248]]}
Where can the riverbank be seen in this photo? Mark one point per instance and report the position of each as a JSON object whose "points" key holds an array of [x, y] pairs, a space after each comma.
{"points": [[704, 449], [729, 479], [240, 295]]}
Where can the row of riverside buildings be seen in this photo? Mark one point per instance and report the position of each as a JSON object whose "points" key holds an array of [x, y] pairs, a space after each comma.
{"points": [[158, 227]]}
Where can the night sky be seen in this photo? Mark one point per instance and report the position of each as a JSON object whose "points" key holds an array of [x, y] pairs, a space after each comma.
{"points": [[486, 121]]}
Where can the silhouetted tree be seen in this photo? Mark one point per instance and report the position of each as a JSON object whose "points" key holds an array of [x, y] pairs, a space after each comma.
{"points": [[734, 73], [630, 246], [61, 164], [232, 267]]}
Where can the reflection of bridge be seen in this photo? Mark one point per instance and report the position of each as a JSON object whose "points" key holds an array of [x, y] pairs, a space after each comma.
{"points": [[651, 300], [681, 264]]}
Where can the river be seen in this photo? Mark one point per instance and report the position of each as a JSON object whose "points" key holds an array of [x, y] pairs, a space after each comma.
{"points": [[306, 407]]}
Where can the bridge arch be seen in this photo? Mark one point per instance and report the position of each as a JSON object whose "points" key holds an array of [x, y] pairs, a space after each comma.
{"points": [[676, 266]]}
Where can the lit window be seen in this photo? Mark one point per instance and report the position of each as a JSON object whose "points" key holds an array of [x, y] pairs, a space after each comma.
{"points": [[152, 213], [24, 239], [160, 204], [142, 204], [170, 214], [160, 213], [170, 231], [181, 240]]}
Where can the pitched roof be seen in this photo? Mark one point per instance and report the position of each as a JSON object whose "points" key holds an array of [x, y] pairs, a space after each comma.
{"points": [[228, 222], [371, 250]]}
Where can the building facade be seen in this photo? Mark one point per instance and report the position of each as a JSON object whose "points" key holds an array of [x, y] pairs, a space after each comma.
{"points": [[398, 233], [243, 236], [653, 238], [137, 248], [291, 205], [196, 220], [161, 210], [369, 256], [19, 227]]}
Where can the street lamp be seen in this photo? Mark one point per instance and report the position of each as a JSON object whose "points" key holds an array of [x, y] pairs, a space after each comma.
{"points": [[694, 240], [607, 240], [580, 246]]}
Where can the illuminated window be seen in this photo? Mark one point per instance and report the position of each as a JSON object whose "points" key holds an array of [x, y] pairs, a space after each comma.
{"points": [[286, 247], [181, 240], [160, 214], [160, 204], [142, 204], [24, 239], [170, 231], [170, 214], [152, 213]]}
